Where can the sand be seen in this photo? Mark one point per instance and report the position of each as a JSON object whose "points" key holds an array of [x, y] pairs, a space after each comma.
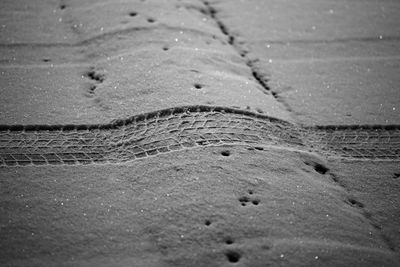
{"points": [[330, 62], [140, 66], [272, 205], [167, 133]]}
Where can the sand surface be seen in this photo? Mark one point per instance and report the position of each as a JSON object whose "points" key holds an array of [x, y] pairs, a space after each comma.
{"points": [[265, 206], [199, 133], [123, 65], [330, 62]]}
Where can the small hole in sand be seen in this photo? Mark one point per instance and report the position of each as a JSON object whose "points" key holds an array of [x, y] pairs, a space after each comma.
{"points": [[133, 14], [207, 222], [46, 60], [228, 241], [244, 199], [226, 153], [259, 148], [63, 6], [396, 175], [320, 168], [251, 192], [255, 202], [232, 256], [93, 75], [198, 86], [150, 20], [356, 203], [165, 48]]}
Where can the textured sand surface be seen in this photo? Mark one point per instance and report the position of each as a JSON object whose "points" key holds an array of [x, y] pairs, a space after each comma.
{"points": [[199, 133], [331, 62], [265, 206], [377, 186], [121, 65]]}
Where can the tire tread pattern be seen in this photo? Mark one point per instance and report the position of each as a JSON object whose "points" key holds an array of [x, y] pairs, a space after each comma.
{"points": [[185, 127]]}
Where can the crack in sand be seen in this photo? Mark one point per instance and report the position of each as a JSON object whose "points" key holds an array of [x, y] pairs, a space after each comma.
{"points": [[187, 127]]}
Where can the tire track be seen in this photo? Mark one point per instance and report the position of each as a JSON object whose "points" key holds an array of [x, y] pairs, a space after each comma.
{"points": [[186, 127], [356, 141]]}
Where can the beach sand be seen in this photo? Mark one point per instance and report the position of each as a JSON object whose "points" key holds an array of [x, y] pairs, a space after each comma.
{"points": [[196, 133]]}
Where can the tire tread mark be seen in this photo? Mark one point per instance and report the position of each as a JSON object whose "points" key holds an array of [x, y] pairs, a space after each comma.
{"points": [[357, 141], [185, 127]]}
